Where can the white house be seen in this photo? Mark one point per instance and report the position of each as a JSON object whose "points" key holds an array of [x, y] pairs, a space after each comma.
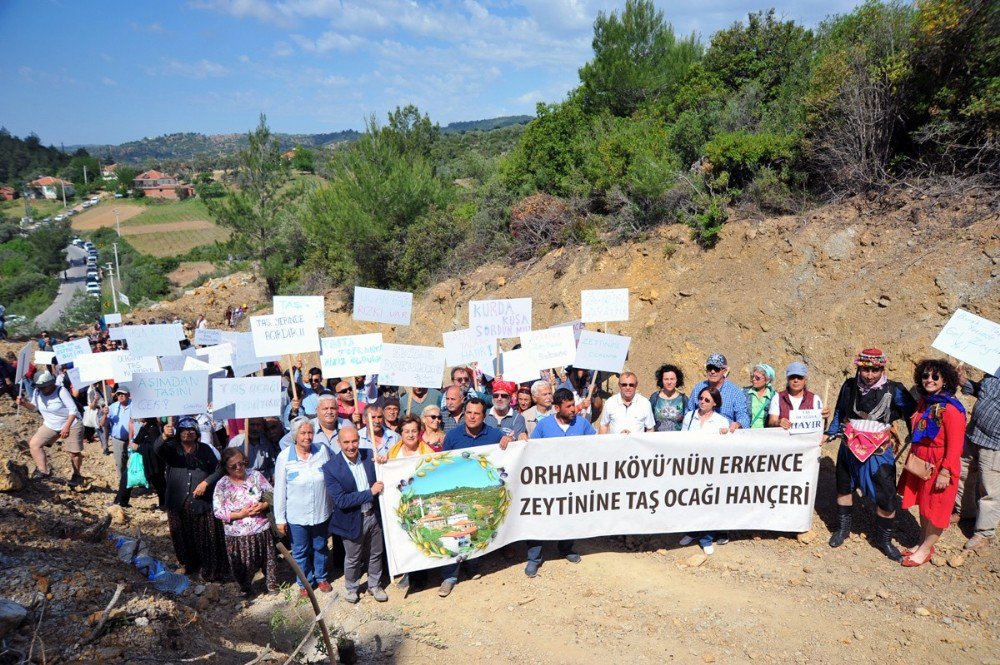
{"points": [[48, 187]]}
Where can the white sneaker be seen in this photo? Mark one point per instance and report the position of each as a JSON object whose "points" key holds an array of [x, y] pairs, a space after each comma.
{"points": [[686, 540], [708, 549]]}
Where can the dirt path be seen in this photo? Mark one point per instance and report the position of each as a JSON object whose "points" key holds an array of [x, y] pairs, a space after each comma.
{"points": [[188, 271]]}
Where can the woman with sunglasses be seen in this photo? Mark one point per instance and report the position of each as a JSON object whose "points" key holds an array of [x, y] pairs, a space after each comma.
{"points": [[760, 394], [938, 437], [706, 419], [432, 434], [239, 502]]}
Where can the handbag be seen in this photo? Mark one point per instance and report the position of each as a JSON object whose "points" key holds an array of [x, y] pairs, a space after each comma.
{"points": [[920, 468], [136, 471], [90, 417]]}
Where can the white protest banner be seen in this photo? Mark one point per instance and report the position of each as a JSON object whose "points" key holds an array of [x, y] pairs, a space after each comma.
{"points": [[97, 366], [600, 351], [67, 352], [250, 397], [972, 339], [245, 361], [207, 336], [577, 326], [198, 365], [394, 307], [162, 339], [600, 305], [351, 355], [519, 366], [74, 378], [283, 335], [466, 503], [413, 366], [462, 346], [172, 363], [551, 347], [805, 421], [312, 307], [44, 358], [129, 364], [113, 318], [168, 393], [500, 319]]}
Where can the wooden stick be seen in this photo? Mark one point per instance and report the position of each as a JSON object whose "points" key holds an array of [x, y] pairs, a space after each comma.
{"points": [[20, 392], [287, 556], [291, 378], [826, 392], [499, 350], [246, 439], [264, 655], [474, 369], [104, 617]]}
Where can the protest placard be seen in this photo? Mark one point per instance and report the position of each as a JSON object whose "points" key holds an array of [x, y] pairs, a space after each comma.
{"points": [[519, 366], [44, 358], [68, 351], [462, 346], [97, 366], [220, 355], [199, 365], [602, 305], [550, 347], [74, 378], [394, 307], [207, 336], [500, 319], [245, 360], [283, 335], [312, 307], [112, 319], [412, 366], [591, 486], [601, 351], [250, 397], [351, 355], [972, 339], [577, 326], [162, 339], [168, 393], [805, 421], [128, 364], [24, 357]]}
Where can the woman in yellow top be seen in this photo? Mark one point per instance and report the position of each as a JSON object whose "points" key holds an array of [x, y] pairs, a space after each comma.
{"points": [[409, 443]]}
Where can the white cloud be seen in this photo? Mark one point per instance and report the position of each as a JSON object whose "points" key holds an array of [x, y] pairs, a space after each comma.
{"points": [[529, 98], [110, 82], [201, 69], [328, 41], [282, 50]]}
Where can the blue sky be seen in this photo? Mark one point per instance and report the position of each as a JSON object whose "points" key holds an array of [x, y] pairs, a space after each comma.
{"points": [[112, 71]]}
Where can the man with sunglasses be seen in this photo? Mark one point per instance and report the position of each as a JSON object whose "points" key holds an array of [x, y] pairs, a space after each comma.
{"points": [[628, 412], [348, 409], [734, 400], [502, 416], [461, 377]]}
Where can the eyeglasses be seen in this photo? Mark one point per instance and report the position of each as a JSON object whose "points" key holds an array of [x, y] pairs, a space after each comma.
{"points": [[933, 376], [706, 399], [711, 368], [627, 385], [343, 391], [462, 379], [501, 396], [796, 377]]}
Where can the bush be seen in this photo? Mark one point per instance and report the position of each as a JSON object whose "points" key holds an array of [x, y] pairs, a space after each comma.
{"points": [[742, 154], [770, 193]]}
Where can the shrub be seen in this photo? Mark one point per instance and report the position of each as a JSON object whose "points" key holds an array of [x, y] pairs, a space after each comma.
{"points": [[742, 154]]}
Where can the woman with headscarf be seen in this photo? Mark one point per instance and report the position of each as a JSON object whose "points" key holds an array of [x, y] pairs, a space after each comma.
{"points": [[938, 427], [191, 470], [760, 393], [867, 406]]}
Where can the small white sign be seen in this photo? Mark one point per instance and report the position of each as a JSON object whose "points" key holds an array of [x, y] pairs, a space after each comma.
{"points": [[601, 351], [162, 339], [351, 355], [97, 366], [67, 352], [973, 340], [74, 378], [207, 336], [600, 305], [220, 355], [500, 319], [44, 358], [312, 307], [393, 307], [462, 346], [129, 364], [113, 318], [577, 326], [412, 366], [252, 397], [283, 335], [551, 347], [519, 366], [805, 421], [124, 299], [168, 393]]}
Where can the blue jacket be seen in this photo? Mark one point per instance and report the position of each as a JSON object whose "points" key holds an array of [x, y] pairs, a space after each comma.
{"points": [[346, 520]]}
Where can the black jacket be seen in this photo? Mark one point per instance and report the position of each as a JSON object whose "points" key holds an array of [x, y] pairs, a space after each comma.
{"points": [[185, 472]]}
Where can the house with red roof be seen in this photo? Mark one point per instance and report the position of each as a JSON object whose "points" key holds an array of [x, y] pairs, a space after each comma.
{"points": [[158, 185], [8, 193], [48, 187]]}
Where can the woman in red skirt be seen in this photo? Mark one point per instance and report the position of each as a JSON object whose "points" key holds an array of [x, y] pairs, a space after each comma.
{"points": [[938, 437]]}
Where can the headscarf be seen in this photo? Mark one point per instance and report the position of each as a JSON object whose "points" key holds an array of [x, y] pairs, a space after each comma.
{"points": [[930, 421], [768, 371], [872, 357]]}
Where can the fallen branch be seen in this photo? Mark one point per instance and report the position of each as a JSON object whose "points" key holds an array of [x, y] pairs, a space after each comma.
{"points": [[207, 656], [287, 556], [34, 634], [262, 656], [104, 618]]}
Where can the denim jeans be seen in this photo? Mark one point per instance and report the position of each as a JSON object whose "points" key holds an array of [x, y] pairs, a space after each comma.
{"points": [[535, 549], [309, 550], [450, 572]]}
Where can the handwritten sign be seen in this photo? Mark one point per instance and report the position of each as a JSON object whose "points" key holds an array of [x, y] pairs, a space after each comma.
{"points": [[462, 346], [111, 319], [245, 360], [380, 306], [251, 397], [97, 366], [351, 355], [44, 358], [599, 305], [282, 335], [67, 352], [973, 340], [519, 366], [600, 351], [414, 366], [160, 339], [168, 393], [207, 336], [500, 319], [551, 347], [312, 307], [129, 363], [577, 326], [199, 365], [805, 421]]}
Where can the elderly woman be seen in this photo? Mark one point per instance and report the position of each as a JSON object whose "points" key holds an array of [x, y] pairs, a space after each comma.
{"points": [[707, 419], [60, 420], [760, 393], [409, 443], [191, 469], [432, 434], [938, 437], [668, 402], [302, 506], [239, 503]]}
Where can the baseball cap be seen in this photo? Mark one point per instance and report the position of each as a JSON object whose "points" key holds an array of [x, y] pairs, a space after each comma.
{"points": [[44, 379], [797, 369], [716, 360]]}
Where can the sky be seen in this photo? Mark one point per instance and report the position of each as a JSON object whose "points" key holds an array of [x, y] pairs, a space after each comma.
{"points": [[110, 71]]}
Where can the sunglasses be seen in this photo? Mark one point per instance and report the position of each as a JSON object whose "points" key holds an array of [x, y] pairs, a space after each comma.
{"points": [[433, 417], [933, 376], [343, 391], [795, 377], [501, 396], [627, 385], [238, 465], [707, 399], [462, 379], [711, 368]]}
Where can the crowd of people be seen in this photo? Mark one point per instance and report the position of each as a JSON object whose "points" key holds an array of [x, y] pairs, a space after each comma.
{"points": [[231, 489]]}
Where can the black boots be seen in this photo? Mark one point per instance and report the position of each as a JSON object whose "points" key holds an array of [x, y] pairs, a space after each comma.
{"points": [[844, 530], [884, 527]]}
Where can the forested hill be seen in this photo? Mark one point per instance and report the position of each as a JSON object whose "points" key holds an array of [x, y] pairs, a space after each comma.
{"points": [[27, 158]]}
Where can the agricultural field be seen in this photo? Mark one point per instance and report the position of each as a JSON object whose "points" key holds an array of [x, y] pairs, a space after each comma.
{"points": [[41, 208]]}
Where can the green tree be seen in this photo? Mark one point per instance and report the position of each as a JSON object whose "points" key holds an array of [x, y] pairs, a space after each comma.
{"points": [[126, 175], [410, 132], [303, 159], [637, 59]]}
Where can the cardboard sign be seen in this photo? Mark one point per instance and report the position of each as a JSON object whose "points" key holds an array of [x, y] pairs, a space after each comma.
{"points": [[351, 355], [129, 364], [97, 366], [24, 357], [44, 358], [312, 307], [245, 360], [413, 366], [251, 397], [220, 355], [168, 393], [805, 421], [600, 351], [198, 365], [112, 319], [67, 352], [207, 336], [552, 347], [462, 346], [283, 335], [500, 319], [519, 366], [124, 299], [380, 306], [577, 326], [74, 378], [600, 305], [973, 340], [161, 339]]}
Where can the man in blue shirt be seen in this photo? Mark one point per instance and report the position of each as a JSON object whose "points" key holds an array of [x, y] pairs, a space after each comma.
{"points": [[117, 418], [734, 400]]}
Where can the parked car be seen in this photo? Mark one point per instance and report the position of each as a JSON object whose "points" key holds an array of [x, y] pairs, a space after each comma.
{"points": [[94, 290], [59, 218], [77, 242], [119, 195]]}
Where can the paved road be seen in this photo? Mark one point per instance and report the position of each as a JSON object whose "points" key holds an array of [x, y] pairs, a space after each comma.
{"points": [[76, 280]]}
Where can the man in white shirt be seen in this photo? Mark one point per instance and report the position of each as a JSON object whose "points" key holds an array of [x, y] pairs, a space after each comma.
{"points": [[627, 412], [541, 394]]}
